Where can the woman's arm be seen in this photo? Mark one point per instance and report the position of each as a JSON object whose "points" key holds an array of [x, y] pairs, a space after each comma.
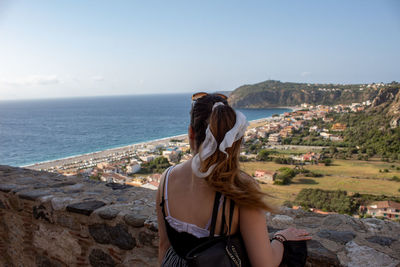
{"points": [[162, 233], [253, 228], [260, 250]]}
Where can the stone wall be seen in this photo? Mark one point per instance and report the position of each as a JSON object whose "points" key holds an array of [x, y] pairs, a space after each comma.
{"points": [[52, 220]]}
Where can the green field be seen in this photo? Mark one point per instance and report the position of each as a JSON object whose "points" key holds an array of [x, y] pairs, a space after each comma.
{"points": [[354, 176]]}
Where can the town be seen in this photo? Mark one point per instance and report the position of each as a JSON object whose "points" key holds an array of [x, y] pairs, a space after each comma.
{"points": [[141, 165]]}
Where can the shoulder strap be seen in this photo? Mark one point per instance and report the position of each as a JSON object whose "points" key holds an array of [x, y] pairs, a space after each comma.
{"points": [[162, 203], [214, 214], [231, 210], [222, 230]]}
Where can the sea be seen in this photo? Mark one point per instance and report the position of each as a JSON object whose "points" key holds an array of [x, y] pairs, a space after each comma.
{"points": [[33, 131]]}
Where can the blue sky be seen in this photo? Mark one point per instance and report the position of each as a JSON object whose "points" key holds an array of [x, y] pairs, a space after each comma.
{"points": [[72, 48]]}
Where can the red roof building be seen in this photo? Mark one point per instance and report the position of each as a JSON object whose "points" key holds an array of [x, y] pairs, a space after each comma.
{"points": [[387, 209]]}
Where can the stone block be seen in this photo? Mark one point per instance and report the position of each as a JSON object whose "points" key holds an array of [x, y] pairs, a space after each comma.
{"points": [[85, 208], [26, 180], [76, 188], [282, 221], [59, 203], [108, 213], [69, 222], [99, 258], [318, 255], [147, 238], [341, 237], [57, 242], [333, 220], [33, 194], [366, 256], [135, 220], [7, 187], [381, 240], [116, 235], [62, 184], [115, 186]]}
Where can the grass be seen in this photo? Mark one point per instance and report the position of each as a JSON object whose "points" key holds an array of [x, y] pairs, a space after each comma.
{"points": [[354, 176]]}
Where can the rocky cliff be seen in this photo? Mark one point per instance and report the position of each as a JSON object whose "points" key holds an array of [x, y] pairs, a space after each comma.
{"points": [[275, 93], [387, 101], [52, 220]]}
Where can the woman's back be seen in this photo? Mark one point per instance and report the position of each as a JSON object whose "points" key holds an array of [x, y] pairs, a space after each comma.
{"points": [[190, 199]]}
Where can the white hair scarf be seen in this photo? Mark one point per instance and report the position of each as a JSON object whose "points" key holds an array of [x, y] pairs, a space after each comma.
{"points": [[209, 146]]}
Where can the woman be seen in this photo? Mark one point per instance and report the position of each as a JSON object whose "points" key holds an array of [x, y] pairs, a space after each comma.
{"points": [[186, 194]]}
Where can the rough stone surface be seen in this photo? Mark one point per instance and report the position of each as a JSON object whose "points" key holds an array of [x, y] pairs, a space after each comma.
{"points": [[341, 237], [33, 195], [381, 240], [40, 212], [147, 239], [116, 186], [59, 243], [59, 203], [43, 261], [108, 213], [48, 219], [116, 235], [320, 256], [366, 256], [86, 207], [7, 187], [135, 220], [283, 221], [333, 220], [98, 258]]}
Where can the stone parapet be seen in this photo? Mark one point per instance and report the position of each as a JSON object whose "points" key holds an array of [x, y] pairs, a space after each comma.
{"points": [[48, 219], [52, 220]]}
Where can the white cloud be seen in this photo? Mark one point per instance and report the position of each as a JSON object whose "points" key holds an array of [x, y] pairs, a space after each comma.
{"points": [[32, 80], [305, 73]]}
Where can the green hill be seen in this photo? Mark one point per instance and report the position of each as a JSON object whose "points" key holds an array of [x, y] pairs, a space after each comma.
{"points": [[273, 93]]}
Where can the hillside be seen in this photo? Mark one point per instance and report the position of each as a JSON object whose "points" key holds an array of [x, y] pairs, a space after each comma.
{"points": [[371, 132], [275, 93]]}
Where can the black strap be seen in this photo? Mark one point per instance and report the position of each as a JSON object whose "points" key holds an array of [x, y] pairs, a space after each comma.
{"points": [[214, 214], [231, 210], [222, 231]]}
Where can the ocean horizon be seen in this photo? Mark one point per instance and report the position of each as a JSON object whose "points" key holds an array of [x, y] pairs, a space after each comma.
{"points": [[33, 131]]}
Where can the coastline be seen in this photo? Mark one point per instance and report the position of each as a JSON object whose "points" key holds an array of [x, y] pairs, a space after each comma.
{"points": [[122, 149], [101, 153], [107, 152]]}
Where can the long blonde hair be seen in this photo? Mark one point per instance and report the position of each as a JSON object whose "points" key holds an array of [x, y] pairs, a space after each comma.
{"points": [[226, 177]]}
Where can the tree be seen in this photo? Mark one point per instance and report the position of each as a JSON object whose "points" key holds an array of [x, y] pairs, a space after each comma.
{"points": [[263, 155], [327, 162]]}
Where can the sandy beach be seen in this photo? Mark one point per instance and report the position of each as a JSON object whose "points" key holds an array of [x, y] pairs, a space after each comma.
{"points": [[102, 154]]}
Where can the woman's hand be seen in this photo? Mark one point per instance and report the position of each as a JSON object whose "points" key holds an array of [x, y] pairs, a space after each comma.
{"points": [[294, 234]]}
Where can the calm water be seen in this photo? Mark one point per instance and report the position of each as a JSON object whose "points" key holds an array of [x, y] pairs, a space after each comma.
{"points": [[40, 130]]}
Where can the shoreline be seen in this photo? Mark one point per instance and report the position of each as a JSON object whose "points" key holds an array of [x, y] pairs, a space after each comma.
{"points": [[120, 149]]}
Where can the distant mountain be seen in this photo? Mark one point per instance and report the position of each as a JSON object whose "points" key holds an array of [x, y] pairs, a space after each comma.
{"points": [[273, 93]]}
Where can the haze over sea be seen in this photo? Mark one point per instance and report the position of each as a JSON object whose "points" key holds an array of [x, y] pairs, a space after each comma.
{"points": [[33, 131]]}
